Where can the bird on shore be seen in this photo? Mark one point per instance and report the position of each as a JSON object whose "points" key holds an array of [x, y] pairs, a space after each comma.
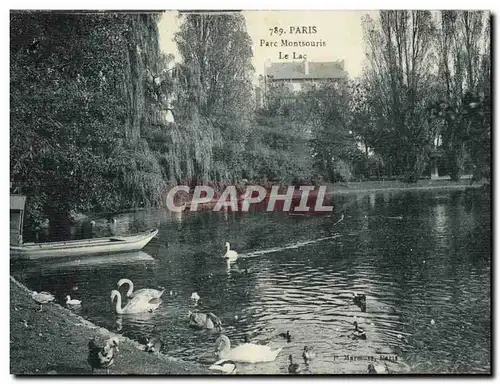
{"points": [[70, 301], [293, 368], [225, 366], [286, 336], [358, 332], [308, 354], [102, 354], [145, 292], [230, 254], [42, 298]]}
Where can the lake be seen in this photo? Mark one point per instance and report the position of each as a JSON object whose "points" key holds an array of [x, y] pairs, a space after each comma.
{"points": [[423, 259]]}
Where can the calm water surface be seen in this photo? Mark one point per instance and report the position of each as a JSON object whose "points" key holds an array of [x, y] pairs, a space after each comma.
{"points": [[417, 256]]}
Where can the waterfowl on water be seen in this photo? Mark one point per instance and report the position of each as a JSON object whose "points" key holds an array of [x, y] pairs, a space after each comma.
{"points": [[102, 354], [246, 353], [308, 354], [153, 345], [226, 366], [230, 254], [42, 298], [195, 297], [360, 300], [286, 336], [137, 304], [377, 369], [293, 367], [146, 292], [205, 321], [358, 332], [70, 301]]}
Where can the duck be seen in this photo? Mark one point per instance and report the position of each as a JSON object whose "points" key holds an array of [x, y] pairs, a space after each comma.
{"points": [[238, 270], [286, 336], [195, 297], [360, 300], [358, 332], [153, 345], [308, 354], [230, 254], [135, 305], [225, 366], [42, 298], [378, 369], [70, 301], [102, 354], [293, 368], [147, 292], [205, 321], [245, 353]]}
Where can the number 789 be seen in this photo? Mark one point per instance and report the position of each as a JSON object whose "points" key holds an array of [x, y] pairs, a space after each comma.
{"points": [[276, 31]]}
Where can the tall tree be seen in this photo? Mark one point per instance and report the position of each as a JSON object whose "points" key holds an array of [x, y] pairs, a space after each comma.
{"points": [[462, 49], [216, 74], [400, 79], [77, 107]]}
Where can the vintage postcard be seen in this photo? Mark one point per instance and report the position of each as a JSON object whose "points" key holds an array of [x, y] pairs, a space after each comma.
{"points": [[250, 192]]}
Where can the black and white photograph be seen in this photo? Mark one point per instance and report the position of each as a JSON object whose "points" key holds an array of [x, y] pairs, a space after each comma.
{"points": [[250, 192]]}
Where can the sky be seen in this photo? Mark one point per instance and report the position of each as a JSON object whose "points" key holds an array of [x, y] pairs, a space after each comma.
{"points": [[340, 30]]}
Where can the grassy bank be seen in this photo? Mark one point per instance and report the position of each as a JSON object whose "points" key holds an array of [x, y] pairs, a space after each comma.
{"points": [[55, 342]]}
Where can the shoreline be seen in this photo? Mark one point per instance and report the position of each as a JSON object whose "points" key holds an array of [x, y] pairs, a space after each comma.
{"points": [[55, 342], [392, 186]]}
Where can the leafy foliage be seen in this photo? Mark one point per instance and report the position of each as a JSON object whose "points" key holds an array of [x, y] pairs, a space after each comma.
{"points": [[77, 97]]}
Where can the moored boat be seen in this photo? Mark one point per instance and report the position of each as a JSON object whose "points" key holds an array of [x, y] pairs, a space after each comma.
{"points": [[104, 245], [83, 247]]}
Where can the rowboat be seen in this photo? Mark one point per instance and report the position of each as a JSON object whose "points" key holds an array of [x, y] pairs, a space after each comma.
{"points": [[104, 245], [100, 246]]}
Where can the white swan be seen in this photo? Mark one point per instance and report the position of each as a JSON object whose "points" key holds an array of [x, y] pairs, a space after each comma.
{"points": [[226, 366], [135, 305], [230, 254], [246, 353], [149, 292], [70, 301]]}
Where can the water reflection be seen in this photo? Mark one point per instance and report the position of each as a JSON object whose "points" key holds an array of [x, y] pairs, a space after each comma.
{"points": [[422, 259]]}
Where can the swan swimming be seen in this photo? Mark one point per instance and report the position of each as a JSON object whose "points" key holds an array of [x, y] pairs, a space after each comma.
{"points": [[135, 305], [246, 353], [230, 254], [149, 292], [70, 301]]}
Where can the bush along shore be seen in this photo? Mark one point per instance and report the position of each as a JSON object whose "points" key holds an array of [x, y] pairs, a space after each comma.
{"points": [[55, 342]]}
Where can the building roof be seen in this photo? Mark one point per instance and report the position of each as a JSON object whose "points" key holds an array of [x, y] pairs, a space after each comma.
{"points": [[297, 70]]}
